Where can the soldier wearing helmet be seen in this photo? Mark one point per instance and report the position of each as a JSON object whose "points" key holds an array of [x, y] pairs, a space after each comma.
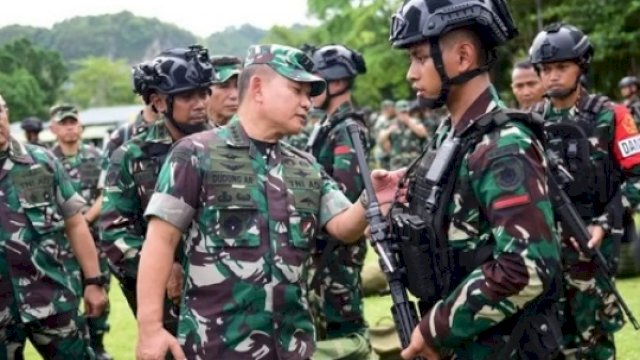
{"points": [[597, 141], [32, 127], [629, 86], [223, 102], [336, 286], [486, 263], [177, 86]]}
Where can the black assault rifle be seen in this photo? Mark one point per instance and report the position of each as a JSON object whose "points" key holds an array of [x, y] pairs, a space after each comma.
{"points": [[403, 309], [570, 219]]}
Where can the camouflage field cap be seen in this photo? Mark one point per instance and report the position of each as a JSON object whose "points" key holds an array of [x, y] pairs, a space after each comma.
{"points": [[226, 66], [387, 103], [289, 62], [61, 112], [402, 106]]}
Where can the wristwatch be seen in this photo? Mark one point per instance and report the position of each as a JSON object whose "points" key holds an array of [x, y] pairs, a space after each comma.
{"points": [[100, 280]]}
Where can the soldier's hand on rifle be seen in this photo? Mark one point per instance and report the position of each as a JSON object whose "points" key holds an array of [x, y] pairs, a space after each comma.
{"points": [[95, 300], [385, 183], [418, 347], [174, 285], [597, 235], [154, 342]]}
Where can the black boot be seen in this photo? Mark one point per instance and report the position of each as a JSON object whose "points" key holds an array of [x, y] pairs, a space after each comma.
{"points": [[98, 348]]}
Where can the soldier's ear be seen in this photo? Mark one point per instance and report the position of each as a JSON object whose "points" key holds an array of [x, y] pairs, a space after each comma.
{"points": [[158, 102], [256, 88]]}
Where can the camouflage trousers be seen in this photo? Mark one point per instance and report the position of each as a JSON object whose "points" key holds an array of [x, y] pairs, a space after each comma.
{"points": [[58, 337], [590, 314], [336, 302], [100, 325]]}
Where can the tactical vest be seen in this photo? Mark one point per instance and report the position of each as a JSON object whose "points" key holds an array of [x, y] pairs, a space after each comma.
{"points": [[231, 180], [595, 183], [434, 269], [321, 132], [146, 169], [89, 170]]}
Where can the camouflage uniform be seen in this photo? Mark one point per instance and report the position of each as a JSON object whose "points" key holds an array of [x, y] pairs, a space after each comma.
{"points": [[84, 170], [498, 201], [130, 181], [117, 138], [405, 146], [338, 308], [592, 313], [250, 217], [381, 123], [633, 104], [39, 276]]}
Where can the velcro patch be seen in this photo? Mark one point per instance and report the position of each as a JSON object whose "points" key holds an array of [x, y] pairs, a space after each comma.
{"points": [[629, 146], [511, 201]]}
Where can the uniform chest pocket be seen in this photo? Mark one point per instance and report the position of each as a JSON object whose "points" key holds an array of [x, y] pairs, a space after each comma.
{"points": [[303, 221], [37, 198], [89, 173]]}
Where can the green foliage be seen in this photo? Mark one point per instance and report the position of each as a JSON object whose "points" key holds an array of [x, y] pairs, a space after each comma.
{"points": [[99, 81], [23, 94], [31, 78], [234, 40]]}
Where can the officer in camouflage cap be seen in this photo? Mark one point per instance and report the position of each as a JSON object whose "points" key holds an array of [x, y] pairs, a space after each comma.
{"points": [[249, 206], [404, 139], [40, 279], [597, 142], [82, 164], [223, 102], [336, 283], [178, 81], [489, 265]]}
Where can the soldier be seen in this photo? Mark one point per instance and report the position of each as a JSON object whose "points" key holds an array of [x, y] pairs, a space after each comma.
{"points": [[384, 120], [477, 195], [32, 127], [39, 268], [223, 102], [404, 139], [145, 117], [250, 206], [336, 284], [629, 87], [177, 84], [526, 85], [82, 164], [596, 141]]}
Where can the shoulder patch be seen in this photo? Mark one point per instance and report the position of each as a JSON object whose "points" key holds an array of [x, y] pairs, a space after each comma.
{"points": [[508, 173]]}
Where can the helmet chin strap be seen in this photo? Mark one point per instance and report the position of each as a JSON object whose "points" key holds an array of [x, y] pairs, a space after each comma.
{"points": [[325, 104], [185, 129], [562, 94], [446, 81]]}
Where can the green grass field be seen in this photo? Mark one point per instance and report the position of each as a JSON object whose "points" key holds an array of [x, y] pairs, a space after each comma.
{"points": [[121, 339]]}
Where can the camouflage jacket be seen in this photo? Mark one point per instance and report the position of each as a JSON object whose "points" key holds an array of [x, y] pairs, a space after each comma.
{"points": [[121, 135], [249, 219], [38, 272], [633, 105], [130, 182], [499, 199], [338, 156], [405, 146], [83, 169], [609, 132]]}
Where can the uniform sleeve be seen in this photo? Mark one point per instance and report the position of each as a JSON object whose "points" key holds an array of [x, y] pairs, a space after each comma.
{"points": [[178, 187], [507, 176], [626, 151], [68, 200], [121, 227], [115, 141], [346, 171], [332, 201]]}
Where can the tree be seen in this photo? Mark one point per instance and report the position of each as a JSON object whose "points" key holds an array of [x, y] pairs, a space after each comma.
{"points": [[37, 75], [99, 81], [23, 95]]}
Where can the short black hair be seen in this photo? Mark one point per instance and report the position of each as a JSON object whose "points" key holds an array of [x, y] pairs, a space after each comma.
{"points": [[524, 64]]}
